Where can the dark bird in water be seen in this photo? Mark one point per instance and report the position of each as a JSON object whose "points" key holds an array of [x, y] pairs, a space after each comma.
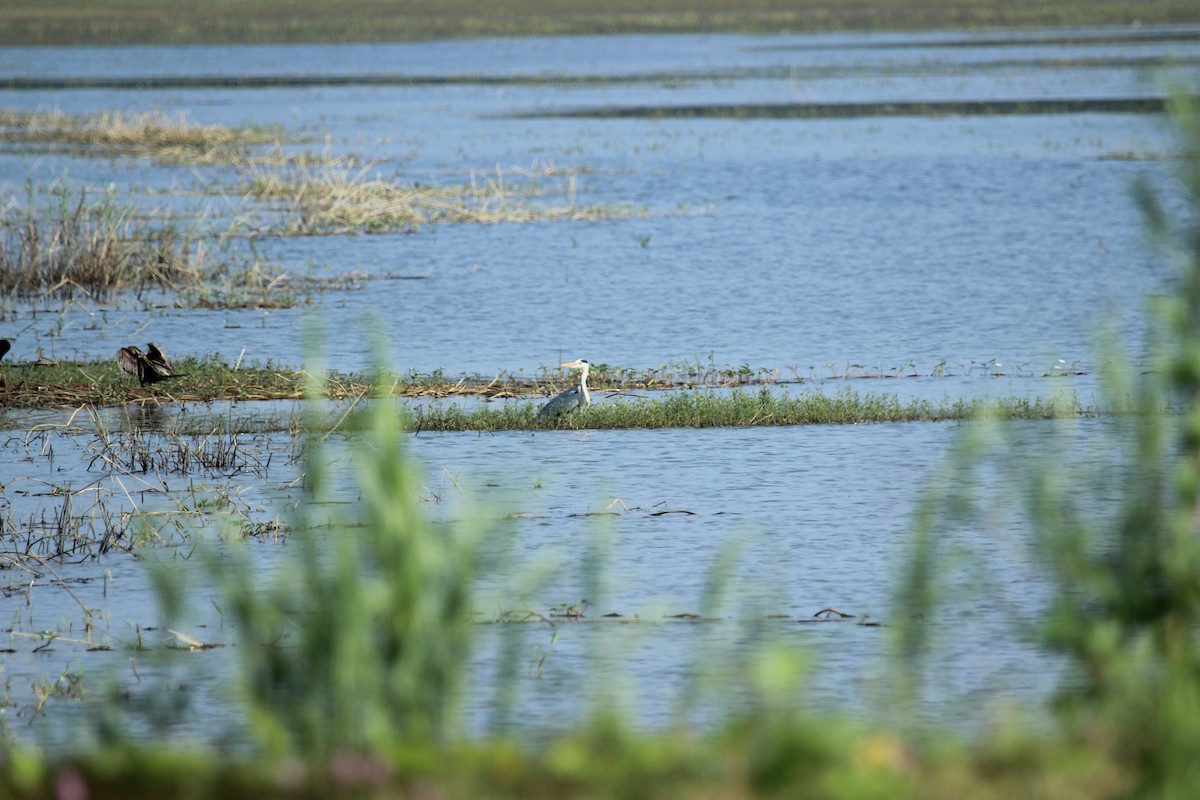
{"points": [[571, 399], [5, 346], [136, 363]]}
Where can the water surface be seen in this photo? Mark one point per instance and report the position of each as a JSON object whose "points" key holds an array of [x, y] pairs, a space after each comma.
{"points": [[985, 250]]}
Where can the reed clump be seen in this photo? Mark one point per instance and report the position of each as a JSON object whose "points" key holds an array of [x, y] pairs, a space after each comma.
{"points": [[74, 530], [68, 246], [156, 134], [95, 248], [213, 453]]}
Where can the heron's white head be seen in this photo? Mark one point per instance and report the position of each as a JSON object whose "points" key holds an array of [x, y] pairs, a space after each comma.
{"points": [[580, 364]]}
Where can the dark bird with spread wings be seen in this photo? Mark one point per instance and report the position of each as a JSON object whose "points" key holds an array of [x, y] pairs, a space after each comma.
{"points": [[147, 368], [159, 359]]}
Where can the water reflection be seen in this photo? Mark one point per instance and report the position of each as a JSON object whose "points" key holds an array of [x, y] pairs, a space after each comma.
{"points": [[145, 417]]}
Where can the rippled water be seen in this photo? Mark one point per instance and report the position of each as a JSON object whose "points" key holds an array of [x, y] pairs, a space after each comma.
{"points": [[873, 241], [818, 515], [985, 245]]}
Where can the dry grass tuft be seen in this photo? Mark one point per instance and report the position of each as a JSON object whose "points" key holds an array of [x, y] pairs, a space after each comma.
{"points": [[333, 196], [154, 133]]}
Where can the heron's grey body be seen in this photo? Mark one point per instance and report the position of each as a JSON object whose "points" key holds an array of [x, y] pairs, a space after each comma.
{"points": [[574, 398]]}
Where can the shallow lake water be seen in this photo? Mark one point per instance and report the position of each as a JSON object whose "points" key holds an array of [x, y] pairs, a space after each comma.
{"points": [[819, 517], [988, 250]]}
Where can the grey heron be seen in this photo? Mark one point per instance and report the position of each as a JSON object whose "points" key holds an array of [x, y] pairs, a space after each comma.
{"points": [[571, 399]]}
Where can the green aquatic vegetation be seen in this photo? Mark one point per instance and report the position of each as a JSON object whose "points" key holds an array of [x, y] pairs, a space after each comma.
{"points": [[166, 137], [67, 384], [739, 408], [358, 644]]}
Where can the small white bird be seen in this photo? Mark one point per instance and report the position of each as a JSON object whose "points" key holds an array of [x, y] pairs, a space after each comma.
{"points": [[571, 399]]}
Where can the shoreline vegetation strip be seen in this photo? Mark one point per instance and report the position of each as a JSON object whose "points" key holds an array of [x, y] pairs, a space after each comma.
{"points": [[81, 22], [623, 401]]}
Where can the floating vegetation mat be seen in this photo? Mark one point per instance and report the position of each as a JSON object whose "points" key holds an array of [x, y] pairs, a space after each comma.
{"points": [[168, 137], [339, 197], [101, 383]]}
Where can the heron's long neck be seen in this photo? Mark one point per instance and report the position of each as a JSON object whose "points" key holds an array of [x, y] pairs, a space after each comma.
{"points": [[587, 398]]}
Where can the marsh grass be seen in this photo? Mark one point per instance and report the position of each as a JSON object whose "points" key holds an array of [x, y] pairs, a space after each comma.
{"points": [[739, 409], [216, 452], [74, 530], [1111, 522], [343, 196], [172, 138], [378, 659], [100, 383], [67, 247], [136, 501]]}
